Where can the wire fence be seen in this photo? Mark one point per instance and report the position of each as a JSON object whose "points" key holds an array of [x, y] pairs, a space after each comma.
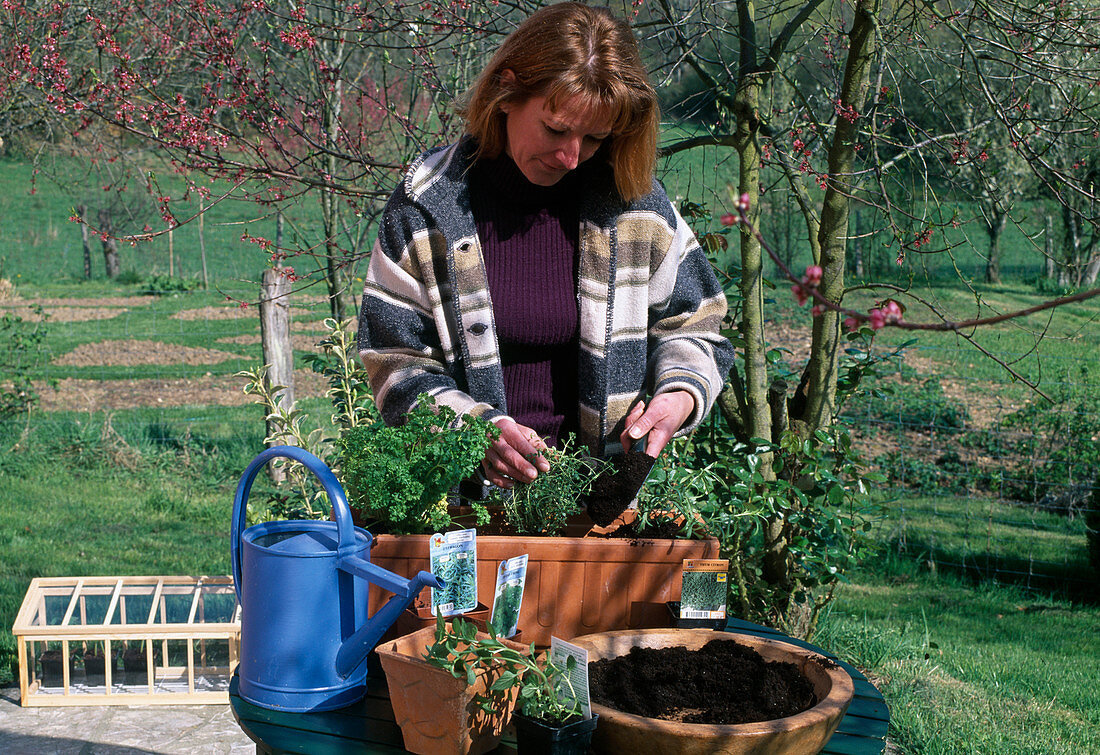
{"points": [[985, 476]]}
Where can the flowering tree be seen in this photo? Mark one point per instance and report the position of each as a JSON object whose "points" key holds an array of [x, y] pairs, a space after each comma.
{"points": [[883, 107], [264, 101]]}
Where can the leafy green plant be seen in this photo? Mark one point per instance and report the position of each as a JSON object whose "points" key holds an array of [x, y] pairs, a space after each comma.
{"points": [[819, 501], [157, 284], [544, 505], [398, 476], [1060, 446], [401, 475], [543, 688]]}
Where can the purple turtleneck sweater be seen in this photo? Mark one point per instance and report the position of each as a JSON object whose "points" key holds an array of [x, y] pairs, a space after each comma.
{"points": [[529, 238]]}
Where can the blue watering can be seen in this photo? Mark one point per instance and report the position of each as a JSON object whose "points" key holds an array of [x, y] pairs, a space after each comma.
{"points": [[302, 586]]}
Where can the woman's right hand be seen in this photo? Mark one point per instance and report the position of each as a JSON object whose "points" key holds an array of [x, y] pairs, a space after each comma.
{"points": [[509, 458]]}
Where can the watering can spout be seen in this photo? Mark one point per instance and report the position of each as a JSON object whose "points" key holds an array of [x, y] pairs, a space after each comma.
{"points": [[355, 648]]}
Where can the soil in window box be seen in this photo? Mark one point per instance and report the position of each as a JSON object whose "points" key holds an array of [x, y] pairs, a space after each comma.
{"points": [[723, 682]]}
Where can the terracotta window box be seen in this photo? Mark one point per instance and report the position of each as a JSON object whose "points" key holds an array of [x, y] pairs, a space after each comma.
{"points": [[575, 585]]}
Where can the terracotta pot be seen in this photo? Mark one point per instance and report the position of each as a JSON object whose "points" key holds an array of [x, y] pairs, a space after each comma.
{"points": [[801, 734], [575, 585], [435, 710], [533, 737]]}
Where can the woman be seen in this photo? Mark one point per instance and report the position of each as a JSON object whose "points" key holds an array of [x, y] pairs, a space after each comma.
{"points": [[534, 273]]}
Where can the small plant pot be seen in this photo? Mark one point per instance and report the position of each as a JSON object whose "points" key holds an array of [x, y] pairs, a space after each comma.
{"points": [[533, 737], [674, 611], [436, 711], [135, 666], [95, 669], [52, 662]]}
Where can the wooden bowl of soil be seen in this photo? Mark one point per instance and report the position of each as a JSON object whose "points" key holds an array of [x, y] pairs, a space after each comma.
{"points": [[741, 694]]}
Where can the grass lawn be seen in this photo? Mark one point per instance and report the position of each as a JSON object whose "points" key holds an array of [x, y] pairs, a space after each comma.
{"points": [[971, 668]]}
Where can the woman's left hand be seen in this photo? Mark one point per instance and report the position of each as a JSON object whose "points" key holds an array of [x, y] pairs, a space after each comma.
{"points": [[666, 414]]}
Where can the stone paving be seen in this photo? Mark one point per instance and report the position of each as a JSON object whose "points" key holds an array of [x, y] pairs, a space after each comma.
{"points": [[119, 730]]}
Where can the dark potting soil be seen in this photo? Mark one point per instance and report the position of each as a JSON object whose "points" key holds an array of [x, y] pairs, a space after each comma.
{"points": [[723, 682], [617, 486]]}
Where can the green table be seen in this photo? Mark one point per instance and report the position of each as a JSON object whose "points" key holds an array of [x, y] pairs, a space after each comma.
{"points": [[368, 726]]}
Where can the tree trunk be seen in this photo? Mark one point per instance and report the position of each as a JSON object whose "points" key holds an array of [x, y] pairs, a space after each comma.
{"points": [[278, 353], [110, 244], [995, 228], [1071, 241], [330, 208], [1048, 246], [833, 230], [85, 242], [1092, 269]]}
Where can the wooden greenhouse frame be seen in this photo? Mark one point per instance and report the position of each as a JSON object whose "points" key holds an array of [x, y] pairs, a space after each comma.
{"points": [[168, 616]]}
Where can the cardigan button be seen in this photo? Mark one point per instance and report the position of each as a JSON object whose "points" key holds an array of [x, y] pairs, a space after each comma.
{"points": [[478, 328]]}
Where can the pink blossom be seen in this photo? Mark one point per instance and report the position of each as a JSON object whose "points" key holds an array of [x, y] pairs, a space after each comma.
{"points": [[892, 311], [744, 202], [800, 294], [817, 310], [812, 276], [729, 219], [851, 324], [877, 319]]}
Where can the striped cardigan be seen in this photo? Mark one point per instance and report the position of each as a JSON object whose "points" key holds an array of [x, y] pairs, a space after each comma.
{"points": [[650, 305]]}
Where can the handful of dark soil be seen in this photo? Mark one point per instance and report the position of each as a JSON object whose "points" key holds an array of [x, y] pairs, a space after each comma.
{"points": [[722, 682], [618, 485]]}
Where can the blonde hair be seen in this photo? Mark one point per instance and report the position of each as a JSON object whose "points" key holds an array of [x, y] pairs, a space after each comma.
{"points": [[568, 51]]}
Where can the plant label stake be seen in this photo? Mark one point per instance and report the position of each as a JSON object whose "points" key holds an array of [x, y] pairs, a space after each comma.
{"points": [[508, 596], [703, 588], [574, 659], [302, 586], [453, 558]]}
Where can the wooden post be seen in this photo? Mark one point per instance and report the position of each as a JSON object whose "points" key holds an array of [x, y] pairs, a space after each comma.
{"points": [[202, 245], [277, 351], [82, 211]]}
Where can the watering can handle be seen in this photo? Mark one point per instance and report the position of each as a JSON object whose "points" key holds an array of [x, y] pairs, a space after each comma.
{"points": [[336, 496]]}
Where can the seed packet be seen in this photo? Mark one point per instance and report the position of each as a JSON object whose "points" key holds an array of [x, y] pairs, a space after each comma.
{"points": [[560, 653], [508, 596], [453, 557], [703, 590]]}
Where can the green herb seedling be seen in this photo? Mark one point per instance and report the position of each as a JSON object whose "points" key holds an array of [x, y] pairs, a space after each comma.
{"points": [[544, 690]]}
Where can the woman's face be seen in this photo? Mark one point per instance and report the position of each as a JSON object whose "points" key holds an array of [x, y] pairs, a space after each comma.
{"points": [[547, 144]]}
